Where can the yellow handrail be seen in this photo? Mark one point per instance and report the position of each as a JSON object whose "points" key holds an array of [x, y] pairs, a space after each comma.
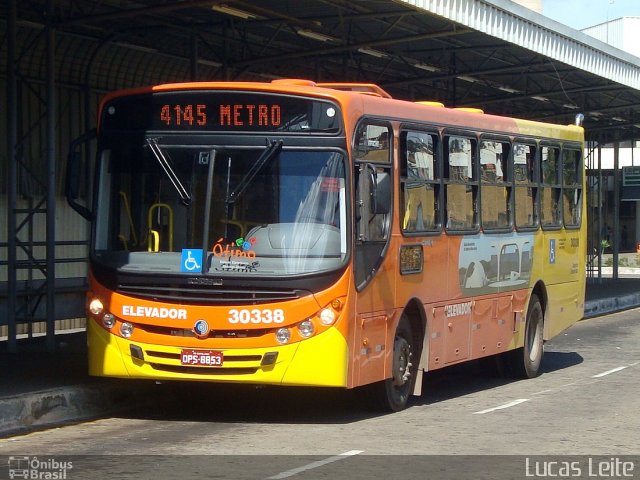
{"points": [[153, 241], [124, 241], [152, 208]]}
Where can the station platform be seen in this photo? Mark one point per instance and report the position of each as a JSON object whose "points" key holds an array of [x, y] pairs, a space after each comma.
{"points": [[39, 389]]}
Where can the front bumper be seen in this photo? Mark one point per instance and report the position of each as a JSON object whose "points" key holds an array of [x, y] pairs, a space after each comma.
{"points": [[318, 361]]}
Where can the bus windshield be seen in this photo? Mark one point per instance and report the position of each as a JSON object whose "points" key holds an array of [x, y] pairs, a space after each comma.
{"points": [[220, 210]]}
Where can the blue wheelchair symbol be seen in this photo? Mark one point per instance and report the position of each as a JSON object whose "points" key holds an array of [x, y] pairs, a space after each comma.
{"points": [[191, 260], [552, 251]]}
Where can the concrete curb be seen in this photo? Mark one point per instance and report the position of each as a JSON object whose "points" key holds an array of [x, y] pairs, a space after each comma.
{"points": [[608, 271], [595, 308], [46, 408]]}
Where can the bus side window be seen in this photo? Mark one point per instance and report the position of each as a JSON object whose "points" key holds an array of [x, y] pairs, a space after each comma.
{"points": [[571, 187], [524, 158], [372, 143], [420, 182], [495, 187], [550, 191], [461, 186]]}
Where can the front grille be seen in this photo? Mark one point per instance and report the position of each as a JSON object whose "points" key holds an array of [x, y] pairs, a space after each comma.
{"points": [[170, 362], [208, 295], [182, 332]]}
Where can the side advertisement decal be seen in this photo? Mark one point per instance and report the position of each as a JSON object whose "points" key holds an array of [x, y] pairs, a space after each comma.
{"points": [[493, 263]]}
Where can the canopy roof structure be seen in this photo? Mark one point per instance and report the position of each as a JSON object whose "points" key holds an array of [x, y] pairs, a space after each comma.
{"points": [[59, 57], [495, 55]]}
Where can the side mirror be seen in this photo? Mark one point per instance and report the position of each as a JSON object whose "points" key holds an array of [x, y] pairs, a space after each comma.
{"points": [[74, 174], [74, 169]]}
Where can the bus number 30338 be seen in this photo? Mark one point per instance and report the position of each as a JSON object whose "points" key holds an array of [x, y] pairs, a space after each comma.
{"points": [[246, 316]]}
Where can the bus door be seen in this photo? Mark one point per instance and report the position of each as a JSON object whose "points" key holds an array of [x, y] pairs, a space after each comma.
{"points": [[375, 279]]}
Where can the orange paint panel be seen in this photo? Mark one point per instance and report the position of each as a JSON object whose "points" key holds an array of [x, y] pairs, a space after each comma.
{"points": [[371, 347], [492, 327], [457, 330], [173, 324], [436, 338], [430, 284]]}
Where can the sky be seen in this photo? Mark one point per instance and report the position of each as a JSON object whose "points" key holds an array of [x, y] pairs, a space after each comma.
{"points": [[580, 14]]}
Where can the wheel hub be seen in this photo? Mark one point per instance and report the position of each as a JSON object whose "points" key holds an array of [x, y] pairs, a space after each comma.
{"points": [[401, 362]]}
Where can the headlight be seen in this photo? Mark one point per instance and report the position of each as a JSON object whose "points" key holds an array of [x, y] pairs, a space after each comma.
{"points": [[327, 316], [305, 328], [283, 335], [108, 320], [96, 307], [126, 329]]}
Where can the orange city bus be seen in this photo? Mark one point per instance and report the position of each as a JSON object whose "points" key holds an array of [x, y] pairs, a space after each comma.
{"points": [[294, 233]]}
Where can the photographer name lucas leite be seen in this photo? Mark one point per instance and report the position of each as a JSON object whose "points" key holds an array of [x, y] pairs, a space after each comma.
{"points": [[612, 467]]}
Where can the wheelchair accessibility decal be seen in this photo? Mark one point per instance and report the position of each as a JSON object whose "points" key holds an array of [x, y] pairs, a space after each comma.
{"points": [[191, 260], [552, 251]]}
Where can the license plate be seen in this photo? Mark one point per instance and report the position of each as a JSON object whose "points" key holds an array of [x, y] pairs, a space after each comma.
{"points": [[201, 358]]}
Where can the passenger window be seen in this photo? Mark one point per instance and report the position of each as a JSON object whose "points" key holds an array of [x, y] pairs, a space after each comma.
{"points": [[372, 143], [461, 187], [524, 157], [420, 182], [550, 191], [419, 154], [495, 189], [571, 187], [461, 152]]}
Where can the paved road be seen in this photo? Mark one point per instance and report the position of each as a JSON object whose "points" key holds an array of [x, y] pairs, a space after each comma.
{"points": [[586, 402]]}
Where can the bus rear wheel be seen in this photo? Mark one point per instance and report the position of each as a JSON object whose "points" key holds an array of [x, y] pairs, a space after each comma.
{"points": [[525, 362], [393, 393]]}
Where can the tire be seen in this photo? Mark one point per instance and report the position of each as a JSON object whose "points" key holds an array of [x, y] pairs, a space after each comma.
{"points": [[525, 362], [393, 393]]}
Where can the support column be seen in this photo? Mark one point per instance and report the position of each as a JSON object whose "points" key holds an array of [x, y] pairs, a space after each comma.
{"points": [[599, 207], [616, 208], [12, 175], [51, 177], [636, 230]]}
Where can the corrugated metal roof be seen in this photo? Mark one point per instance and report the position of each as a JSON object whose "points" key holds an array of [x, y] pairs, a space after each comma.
{"points": [[520, 26], [495, 55]]}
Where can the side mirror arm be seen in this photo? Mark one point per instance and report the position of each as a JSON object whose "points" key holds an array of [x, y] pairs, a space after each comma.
{"points": [[72, 179]]}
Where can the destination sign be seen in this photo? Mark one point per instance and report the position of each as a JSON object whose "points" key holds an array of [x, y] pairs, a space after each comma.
{"points": [[213, 110]]}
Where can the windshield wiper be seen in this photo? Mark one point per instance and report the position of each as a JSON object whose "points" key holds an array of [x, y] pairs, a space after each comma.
{"points": [[185, 198], [262, 160]]}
